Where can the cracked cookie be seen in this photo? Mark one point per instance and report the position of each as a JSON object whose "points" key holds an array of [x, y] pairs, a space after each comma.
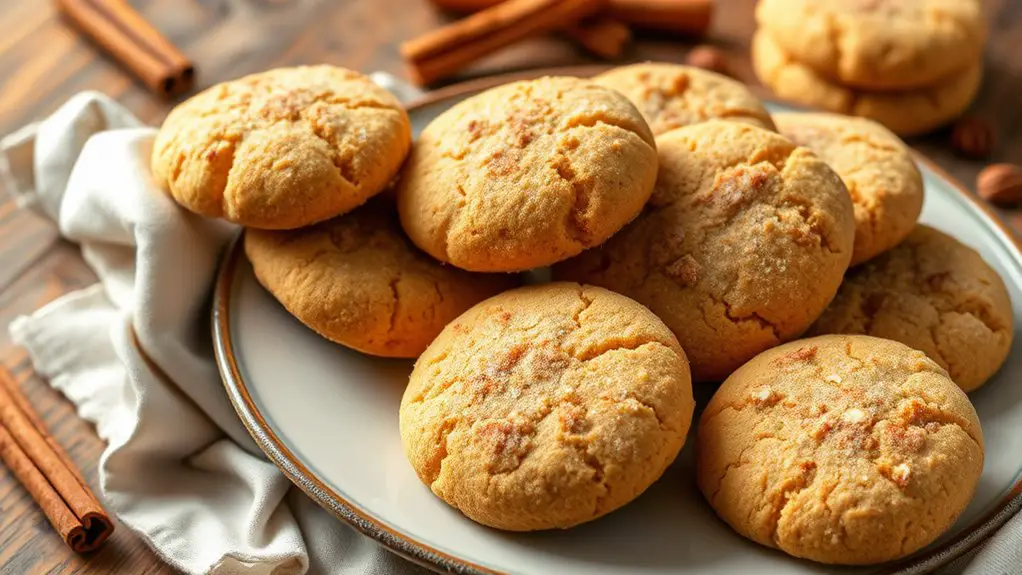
{"points": [[357, 281], [876, 167], [906, 113], [547, 406], [744, 243], [878, 44], [527, 174], [282, 149], [934, 294], [841, 449], [670, 96]]}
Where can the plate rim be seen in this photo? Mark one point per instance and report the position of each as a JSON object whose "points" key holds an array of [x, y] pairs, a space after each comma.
{"points": [[427, 556]]}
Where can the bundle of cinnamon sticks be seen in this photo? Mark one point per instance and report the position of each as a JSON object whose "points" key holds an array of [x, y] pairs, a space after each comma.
{"points": [[600, 26], [47, 473]]}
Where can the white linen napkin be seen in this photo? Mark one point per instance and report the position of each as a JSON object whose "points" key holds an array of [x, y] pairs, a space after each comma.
{"points": [[133, 353]]}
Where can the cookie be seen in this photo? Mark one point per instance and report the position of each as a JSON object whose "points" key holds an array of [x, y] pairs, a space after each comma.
{"points": [[841, 449], [527, 174], [877, 168], [878, 44], [933, 294], [282, 149], [905, 113], [547, 406], [744, 243], [357, 281], [671, 96]]}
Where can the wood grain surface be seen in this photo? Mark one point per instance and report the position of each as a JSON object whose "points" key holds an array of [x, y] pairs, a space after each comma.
{"points": [[43, 62]]}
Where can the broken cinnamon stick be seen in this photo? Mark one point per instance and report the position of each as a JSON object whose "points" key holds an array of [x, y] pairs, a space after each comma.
{"points": [[690, 17], [132, 41], [604, 37], [48, 474], [447, 50]]}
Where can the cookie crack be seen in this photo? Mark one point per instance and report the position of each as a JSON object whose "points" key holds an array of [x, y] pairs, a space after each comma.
{"points": [[343, 163], [441, 453], [599, 472], [619, 344], [596, 118], [788, 495], [804, 209], [586, 302], [934, 414], [737, 463], [397, 302], [575, 221], [335, 99], [751, 317]]}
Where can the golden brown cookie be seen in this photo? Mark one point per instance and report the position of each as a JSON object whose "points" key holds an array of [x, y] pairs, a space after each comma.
{"points": [[547, 406], [527, 174], [933, 294], [671, 96], [841, 449], [745, 242], [905, 113], [282, 149], [357, 281], [878, 44], [877, 168]]}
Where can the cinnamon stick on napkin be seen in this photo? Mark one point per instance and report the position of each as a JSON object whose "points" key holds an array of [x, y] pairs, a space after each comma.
{"points": [[47, 473]]}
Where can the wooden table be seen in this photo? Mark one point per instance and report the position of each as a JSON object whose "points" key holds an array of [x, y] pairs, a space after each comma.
{"points": [[43, 62]]}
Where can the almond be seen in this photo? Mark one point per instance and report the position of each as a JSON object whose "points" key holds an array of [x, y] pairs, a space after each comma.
{"points": [[1000, 184]]}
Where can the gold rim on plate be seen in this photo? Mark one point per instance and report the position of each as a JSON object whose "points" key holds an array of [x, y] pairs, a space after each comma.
{"points": [[419, 552]]}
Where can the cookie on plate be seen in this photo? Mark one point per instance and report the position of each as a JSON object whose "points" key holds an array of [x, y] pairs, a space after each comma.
{"points": [[357, 281], [744, 243], [878, 44], [934, 294], [877, 168], [906, 113], [282, 149], [671, 96], [547, 406], [527, 174], [841, 449]]}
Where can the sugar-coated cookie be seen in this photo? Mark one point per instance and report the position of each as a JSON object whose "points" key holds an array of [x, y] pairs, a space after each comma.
{"points": [[282, 149], [906, 113], [547, 406], [877, 168], [357, 281], [878, 44], [841, 449], [934, 294], [671, 96], [744, 243], [527, 174]]}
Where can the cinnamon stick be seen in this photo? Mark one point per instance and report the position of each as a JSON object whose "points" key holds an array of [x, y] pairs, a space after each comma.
{"points": [[132, 41], [679, 16], [48, 473], [604, 37], [449, 49], [690, 17]]}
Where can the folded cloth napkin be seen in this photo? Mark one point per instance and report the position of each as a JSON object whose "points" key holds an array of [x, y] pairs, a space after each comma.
{"points": [[133, 353]]}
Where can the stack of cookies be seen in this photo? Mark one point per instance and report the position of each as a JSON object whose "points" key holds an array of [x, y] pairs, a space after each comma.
{"points": [[912, 65], [693, 238]]}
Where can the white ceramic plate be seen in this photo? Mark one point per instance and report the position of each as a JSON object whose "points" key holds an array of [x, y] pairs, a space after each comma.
{"points": [[327, 416]]}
